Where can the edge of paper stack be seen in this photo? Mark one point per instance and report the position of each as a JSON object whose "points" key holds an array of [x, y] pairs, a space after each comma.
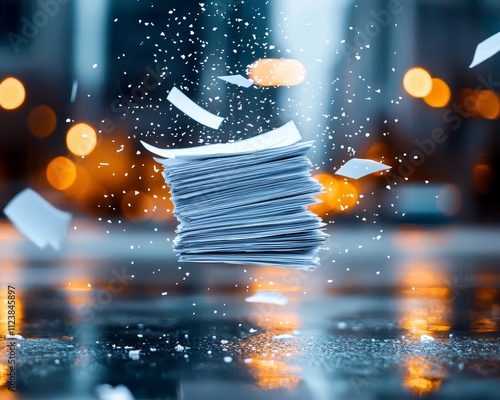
{"points": [[245, 202]]}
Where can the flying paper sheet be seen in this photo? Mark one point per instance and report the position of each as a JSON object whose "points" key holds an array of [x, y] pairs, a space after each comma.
{"points": [[193, 110], [38, 220], [356, 168], [269, 297], [282, 136], [237, 80], [486, 49]]}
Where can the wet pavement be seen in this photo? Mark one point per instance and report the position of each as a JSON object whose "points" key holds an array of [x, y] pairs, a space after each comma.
{"points": [[393, 313]]}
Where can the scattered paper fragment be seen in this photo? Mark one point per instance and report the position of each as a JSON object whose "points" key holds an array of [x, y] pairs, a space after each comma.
{"points": [[19, 337], [426, 338], [269, 297], [108, 392], [356, 168], [179, 348], [285, 336], [193, 110], [37, 219], [237, 80], [341, 325], [486, 49], [134, 354]]}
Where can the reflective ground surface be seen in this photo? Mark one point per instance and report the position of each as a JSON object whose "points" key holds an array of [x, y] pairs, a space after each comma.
{"points": [[403, 313]]}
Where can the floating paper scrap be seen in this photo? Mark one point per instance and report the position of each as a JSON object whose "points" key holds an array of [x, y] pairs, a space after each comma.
{"points": [[486, 49], [285, 336], [108, 392], [358, 167], [13, 337], [269, 297], [37, 219], [426, 338], [237, 80], [193, 110]]}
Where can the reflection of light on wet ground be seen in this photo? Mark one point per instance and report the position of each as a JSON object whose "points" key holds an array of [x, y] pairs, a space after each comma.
{"points": [[272, 374], [4, 370], [425, 308], [351, 320], [425, 299], [266, 354], [486, 313], [420, 376], [266, 360], [78, 293]]}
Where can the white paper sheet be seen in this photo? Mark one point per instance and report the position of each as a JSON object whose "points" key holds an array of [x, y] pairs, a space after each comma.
{"points": [[486, 49], [356, 168], [37, 219], [269, 297], [237, 80], [193, 110], [279, 137], [108, 392]]}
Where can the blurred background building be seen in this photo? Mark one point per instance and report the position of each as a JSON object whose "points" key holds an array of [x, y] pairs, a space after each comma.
{"points": [[91, 79]]}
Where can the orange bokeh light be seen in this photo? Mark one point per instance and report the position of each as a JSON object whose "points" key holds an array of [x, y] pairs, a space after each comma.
{"points": [[42, 121], [12, 93], [162, 207], [378, 152], [277, 72], [81, 183], [488, 104], [339, 195], [61, 173], [417, 82], [439, 95], [81, 139], [421, 376], [4, 371], [482, 103]]}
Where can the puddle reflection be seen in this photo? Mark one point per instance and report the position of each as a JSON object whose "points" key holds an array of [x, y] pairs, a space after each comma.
{"points": [[425, 299], [266, 353], [421, 376]]}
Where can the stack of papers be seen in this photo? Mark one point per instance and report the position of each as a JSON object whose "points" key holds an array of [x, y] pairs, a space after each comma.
{"points": [[245, 202]]}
